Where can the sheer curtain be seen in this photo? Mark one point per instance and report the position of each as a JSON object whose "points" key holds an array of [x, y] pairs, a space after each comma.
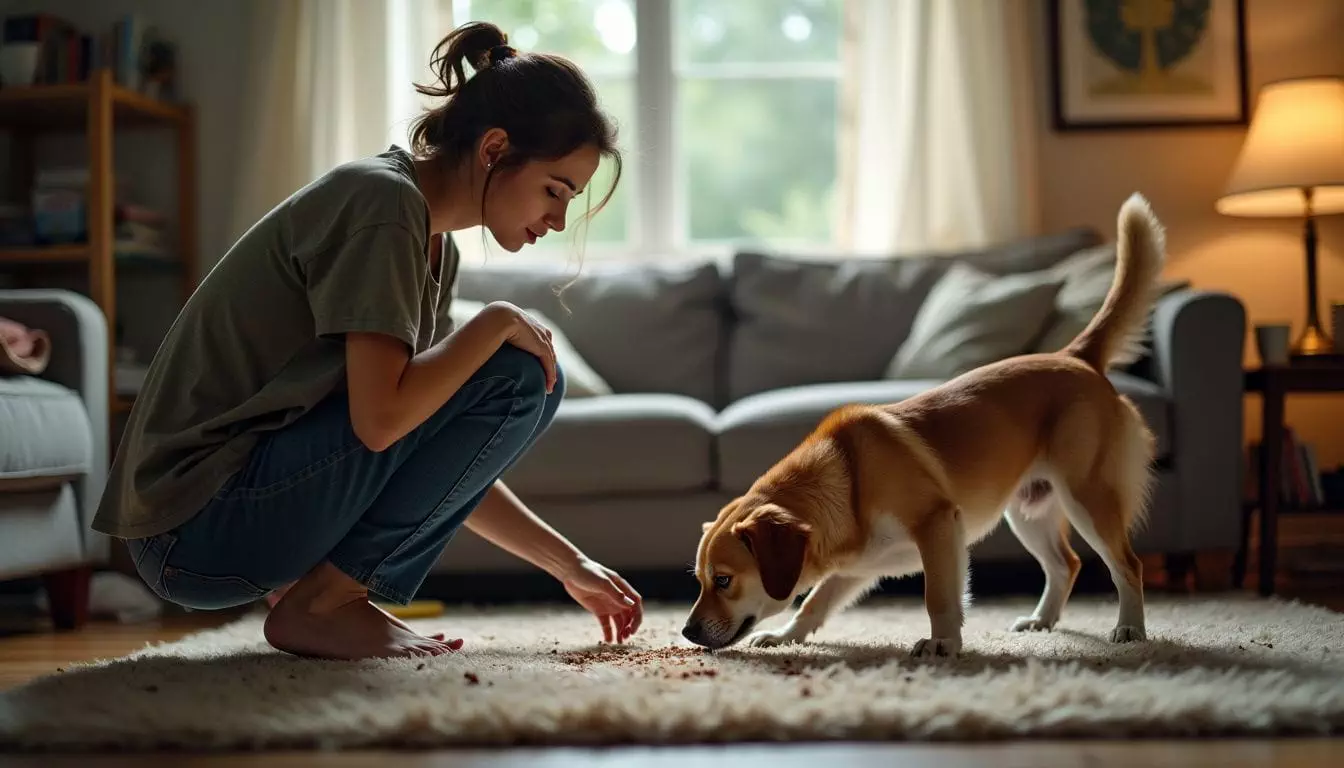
{"points": [[331, 81], [937, 125]]}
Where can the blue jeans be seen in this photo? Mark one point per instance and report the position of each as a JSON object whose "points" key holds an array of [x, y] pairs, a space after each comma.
{"points": [[312, 492]]}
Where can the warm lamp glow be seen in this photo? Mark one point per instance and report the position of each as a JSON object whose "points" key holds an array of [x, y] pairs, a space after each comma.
{"points": [[1295, 142]]}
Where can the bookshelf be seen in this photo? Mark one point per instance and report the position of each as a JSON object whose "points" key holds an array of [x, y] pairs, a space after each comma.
{"points": [[99, 108], [1282, 487]]}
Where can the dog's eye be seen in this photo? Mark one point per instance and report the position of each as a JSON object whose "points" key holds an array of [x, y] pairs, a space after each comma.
{"points": [[722, 582]]}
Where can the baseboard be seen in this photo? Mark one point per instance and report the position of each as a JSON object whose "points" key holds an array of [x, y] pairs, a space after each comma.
{"points": [[987, 580]]}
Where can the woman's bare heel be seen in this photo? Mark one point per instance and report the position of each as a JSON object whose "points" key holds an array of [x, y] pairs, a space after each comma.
{"points": [[278, 594], [326, 614]]}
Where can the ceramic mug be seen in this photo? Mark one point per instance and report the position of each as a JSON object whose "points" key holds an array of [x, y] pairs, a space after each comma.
{"points": [[1271, 340], [18, 63]]}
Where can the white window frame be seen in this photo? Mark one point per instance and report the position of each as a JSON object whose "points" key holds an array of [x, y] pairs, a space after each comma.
{"points": [[660, 227]]}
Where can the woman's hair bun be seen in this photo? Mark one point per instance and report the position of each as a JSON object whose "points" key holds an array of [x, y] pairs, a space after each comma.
{"points": [[478, 43], [500, 53]]}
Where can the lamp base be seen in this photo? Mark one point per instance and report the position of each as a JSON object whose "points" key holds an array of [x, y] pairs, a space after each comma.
{"points": [[1313, 341]]}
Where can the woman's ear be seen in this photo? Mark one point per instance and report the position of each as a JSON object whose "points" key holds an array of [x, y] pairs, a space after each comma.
{"points": [[493, 145]]}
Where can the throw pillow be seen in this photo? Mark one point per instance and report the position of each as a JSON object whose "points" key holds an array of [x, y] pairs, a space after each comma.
{"points": [[1087, 277], [580, 378], [971, 318], [23, 350], [645, 326]]}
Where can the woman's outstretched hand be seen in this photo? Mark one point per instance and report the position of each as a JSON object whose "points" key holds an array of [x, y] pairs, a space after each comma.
{"points": [[600, 590]]}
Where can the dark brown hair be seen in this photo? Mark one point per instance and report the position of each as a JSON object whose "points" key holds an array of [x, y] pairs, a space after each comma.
{"points": [[542, 101]]}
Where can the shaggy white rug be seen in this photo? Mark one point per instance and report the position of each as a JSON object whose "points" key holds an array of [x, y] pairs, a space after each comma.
{"points": [[1228, 666]]}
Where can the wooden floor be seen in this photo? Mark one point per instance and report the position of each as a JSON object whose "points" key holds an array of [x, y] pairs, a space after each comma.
{"points": [[35, 651]]}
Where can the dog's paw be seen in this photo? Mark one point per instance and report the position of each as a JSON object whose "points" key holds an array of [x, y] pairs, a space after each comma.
{"points": [[1125, 634], [772, 638], [1032, 624], [936, 647]]}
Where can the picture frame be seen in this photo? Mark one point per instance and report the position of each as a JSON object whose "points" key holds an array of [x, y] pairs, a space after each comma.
{"points": [[1141, 64]]}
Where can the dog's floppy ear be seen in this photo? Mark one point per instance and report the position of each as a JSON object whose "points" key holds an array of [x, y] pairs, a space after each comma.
{"points": [[779, 544], [727, 510]]}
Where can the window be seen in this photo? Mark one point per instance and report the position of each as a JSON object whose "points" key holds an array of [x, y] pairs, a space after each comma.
{"points": [[727, 113]]}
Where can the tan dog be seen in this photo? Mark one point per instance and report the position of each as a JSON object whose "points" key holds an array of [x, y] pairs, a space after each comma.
{"points": [[875, 491]]}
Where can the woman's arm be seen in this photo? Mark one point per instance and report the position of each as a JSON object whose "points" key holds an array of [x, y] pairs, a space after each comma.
{"points": [[391, 392], [502, 519]]}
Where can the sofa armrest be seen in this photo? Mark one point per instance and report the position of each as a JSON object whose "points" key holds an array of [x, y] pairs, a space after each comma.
{"points": [[1198, 341], [79, 361]]}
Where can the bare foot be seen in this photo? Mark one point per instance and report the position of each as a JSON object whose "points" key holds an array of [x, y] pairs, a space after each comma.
{"points": [[279, 594], [276, 596], [407, 627], [328, 615]]}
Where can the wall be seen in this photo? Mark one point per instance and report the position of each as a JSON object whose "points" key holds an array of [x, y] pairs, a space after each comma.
{"points": [[1085, 176], [213, 40]]}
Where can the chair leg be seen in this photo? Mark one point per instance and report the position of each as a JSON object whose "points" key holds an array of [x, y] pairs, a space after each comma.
{"points": [[68, 596]]}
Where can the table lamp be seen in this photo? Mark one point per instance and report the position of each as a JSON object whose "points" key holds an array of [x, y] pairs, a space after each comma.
{"points": [[1292, 164]]}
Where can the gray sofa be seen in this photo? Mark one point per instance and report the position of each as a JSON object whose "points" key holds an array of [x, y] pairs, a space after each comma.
{"points": [[718, 369], [54, 451]]}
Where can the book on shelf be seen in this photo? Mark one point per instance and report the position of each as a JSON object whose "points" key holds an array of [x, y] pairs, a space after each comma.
{"points": [[138, 56], [138, 232], [66, 54], [1302, 482], [139, 214], [58, 214]]}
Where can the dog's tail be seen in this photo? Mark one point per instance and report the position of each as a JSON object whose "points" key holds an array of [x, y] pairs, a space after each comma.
{"points": [[1117, 330]]}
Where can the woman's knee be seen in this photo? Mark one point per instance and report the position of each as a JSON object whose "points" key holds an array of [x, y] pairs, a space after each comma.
{"points": [[553, 399], [526, 369], [558, 391], [522, 367]]}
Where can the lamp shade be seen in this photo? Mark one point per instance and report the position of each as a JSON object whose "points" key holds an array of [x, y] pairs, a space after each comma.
{"points": [[1295, 142]]}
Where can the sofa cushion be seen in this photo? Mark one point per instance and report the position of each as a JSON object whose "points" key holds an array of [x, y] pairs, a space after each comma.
{"points": [[756, 432], [1029, 254], [802, 322], [45, 438], [759, 430], [972, 318], [620, 444], [1087, 277], [644, 328], [830, 318], [580, 378]]}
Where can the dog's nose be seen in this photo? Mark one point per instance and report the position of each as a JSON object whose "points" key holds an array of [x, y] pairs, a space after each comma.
{"points": [[692, 632]]}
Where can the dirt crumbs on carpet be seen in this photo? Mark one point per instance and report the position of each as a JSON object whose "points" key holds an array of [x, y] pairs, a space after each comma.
{"points": [[624, 656], [1212, 666], [668, 663]]}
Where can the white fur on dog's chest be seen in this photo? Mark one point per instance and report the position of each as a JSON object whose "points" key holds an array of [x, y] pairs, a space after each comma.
{"points": [[889, 551]]}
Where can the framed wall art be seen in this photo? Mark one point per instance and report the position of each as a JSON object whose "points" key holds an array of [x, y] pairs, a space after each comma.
{"points": [[1147, 63]]}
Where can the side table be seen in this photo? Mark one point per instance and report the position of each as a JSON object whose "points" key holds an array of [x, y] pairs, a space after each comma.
{"points": [[1275, 383]]}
